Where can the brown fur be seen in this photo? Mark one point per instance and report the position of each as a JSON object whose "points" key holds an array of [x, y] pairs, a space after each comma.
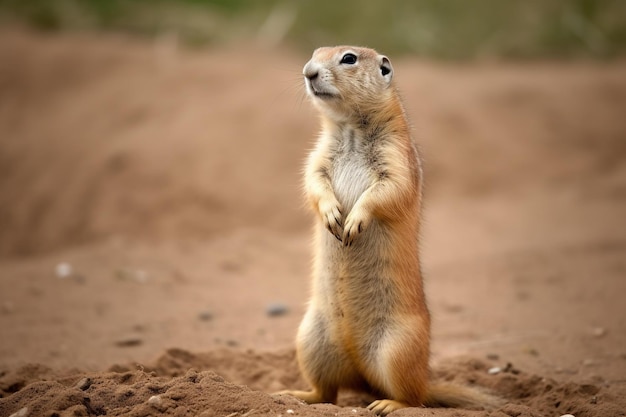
{"points": [[367, 326]]}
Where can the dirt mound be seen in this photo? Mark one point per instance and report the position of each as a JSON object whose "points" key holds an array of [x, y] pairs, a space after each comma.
{"points": [[137, 393], [186, 384]]}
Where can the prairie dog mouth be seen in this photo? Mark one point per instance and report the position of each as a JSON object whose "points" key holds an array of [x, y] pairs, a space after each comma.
{"points": [[322, 94], [318, 92]]}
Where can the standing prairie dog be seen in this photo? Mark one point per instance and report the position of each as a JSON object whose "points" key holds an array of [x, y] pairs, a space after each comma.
{"points": [[367, 326]]}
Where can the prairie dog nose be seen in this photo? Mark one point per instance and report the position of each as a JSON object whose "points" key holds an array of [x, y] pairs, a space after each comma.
{"points": [[311, 71]]}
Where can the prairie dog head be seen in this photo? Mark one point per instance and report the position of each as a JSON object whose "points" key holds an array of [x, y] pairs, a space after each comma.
{"points": [[344, 81]]}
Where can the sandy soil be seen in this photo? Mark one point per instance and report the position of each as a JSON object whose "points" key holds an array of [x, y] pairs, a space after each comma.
{"points": [[151, 222]]}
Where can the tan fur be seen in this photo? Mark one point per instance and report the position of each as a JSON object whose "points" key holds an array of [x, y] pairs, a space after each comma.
{"points": [[367, 326]]}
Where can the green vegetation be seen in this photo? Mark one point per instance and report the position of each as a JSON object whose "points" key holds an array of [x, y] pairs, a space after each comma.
{"points": [[449, 29]]}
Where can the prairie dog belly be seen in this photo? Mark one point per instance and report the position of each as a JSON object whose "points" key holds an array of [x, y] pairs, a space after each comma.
{"points": [[350, 178]]}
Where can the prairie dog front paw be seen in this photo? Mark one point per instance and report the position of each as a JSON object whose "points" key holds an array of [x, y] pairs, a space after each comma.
{"points": [[330, 212], [356, 222]]}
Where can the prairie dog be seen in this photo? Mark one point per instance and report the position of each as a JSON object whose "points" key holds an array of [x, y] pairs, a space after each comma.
{"points": [[367, 326]]}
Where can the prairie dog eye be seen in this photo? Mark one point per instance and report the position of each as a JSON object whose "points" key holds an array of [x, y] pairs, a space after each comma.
{"points": [[348, 58]]}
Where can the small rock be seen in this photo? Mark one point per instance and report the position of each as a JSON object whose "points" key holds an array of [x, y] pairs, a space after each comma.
{"points": [[232, 343], [22, 412], [567, 415], [63, 270], [276, 309], [290, 411], [155, 400], [84, 384], [130, 342], [493, 356], [494, 371], [205, 315], [509, 368]]}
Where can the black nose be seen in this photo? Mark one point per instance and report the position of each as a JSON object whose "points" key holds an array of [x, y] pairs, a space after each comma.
{"points": [[311, 75]]}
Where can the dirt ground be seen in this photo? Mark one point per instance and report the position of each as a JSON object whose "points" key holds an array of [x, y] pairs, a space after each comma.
{"points": [[154, 245]]}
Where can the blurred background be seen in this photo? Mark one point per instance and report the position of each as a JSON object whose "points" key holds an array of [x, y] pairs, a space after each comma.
{"points": [[451, 29], [151, 156]]}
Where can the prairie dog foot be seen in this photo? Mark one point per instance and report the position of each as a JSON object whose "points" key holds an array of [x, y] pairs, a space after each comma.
{"points": [[384, 407]]}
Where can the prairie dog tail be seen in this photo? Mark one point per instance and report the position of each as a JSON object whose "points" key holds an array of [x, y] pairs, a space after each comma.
{"points": [[459, 396]]}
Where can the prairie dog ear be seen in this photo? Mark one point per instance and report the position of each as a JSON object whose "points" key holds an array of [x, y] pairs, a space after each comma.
{"points": [[386, 70]]}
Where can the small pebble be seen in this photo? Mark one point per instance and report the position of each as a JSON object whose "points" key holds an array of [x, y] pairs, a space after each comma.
{"points": [[63, 270], [130, 342], [290, 411], [509, 368], [493, 356], [22, 412], [568, 415], [155, 400], [205, 316], [276, 309], [494, 371], [84, 384]]}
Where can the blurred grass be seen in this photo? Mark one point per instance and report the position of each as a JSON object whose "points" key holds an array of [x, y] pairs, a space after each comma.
{"points": [[444, 29]]}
